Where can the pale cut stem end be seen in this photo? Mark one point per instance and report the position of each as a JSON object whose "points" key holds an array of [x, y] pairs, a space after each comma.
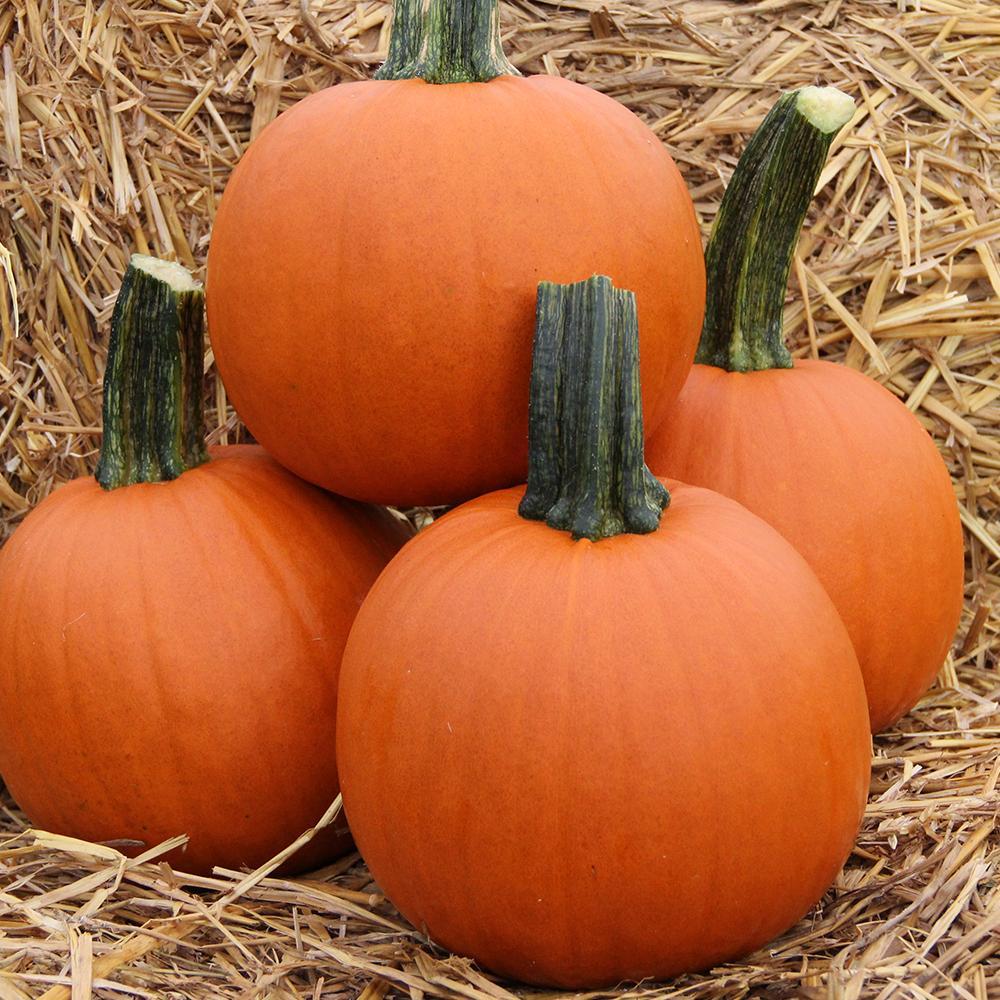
{"points": [[179, 278], [826, 108]]}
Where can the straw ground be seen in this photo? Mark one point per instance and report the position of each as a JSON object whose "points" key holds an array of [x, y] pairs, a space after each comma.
{"points": [[119, 123]]}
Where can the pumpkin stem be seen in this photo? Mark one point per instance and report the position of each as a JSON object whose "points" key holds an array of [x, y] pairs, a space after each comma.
{"points": [[446, 41], [586, 470], [750, 250], [153, 416]]}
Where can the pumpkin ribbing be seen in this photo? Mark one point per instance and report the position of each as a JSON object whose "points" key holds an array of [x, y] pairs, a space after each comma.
{"points": [[750, 250], [586, 473], [446, 41], [153, 409]]}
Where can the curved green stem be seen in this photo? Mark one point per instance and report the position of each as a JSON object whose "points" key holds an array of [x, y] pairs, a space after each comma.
{"points": [[586, 470], [750, 251], [446, 41], [153, 410]]}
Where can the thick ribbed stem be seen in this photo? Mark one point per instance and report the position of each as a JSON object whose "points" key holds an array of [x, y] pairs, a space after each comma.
{"points": [[153, 411], [586, 471], [446, 41], [750, 251]]}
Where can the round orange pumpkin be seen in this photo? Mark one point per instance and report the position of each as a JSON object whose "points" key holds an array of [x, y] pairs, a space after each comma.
{"points": [[827, 456], [582, 756], [170, 649], [847, 474], [374, 260]]}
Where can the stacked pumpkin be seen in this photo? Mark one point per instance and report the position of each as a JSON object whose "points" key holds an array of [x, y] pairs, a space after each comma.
{"points": [[589, 730]]}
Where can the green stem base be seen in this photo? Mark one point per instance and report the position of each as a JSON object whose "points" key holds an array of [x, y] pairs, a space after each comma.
{"points": [[446, 41], [586, 471]]}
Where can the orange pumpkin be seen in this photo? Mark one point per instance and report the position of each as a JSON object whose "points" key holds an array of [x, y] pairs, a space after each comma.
{"points": [[170, 649], [827, 456], [374, 260], [583, 756]]}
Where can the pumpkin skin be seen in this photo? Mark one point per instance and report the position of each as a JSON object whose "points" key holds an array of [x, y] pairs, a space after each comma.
{"points": [[169, 658], [847, 474], [370, 211], [583, 763]]}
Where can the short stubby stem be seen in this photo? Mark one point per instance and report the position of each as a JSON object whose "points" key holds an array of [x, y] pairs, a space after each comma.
{"points": [[753, 240], [446, 41], [586, 467], [153, 406]]}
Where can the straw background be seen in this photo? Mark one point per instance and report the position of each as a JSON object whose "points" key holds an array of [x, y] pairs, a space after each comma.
{"points": [[119, 123]]}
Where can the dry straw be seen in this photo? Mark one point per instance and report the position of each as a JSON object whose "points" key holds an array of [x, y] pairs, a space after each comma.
{"points": [[120, 122]]}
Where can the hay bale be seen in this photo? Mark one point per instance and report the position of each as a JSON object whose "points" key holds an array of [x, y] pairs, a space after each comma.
{"points": [[120, 123]]}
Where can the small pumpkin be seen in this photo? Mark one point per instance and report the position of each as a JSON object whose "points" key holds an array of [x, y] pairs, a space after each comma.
{"points": [[374, 259], [173, 628], [824, 454], [594, 747]]}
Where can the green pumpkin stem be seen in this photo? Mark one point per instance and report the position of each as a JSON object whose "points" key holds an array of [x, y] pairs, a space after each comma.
{"points": [[153, 408], [586, 469], [750, 250], [446, 41]]}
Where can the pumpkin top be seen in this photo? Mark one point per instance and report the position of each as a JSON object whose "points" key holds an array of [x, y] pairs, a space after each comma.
{"points": [[750, 250], [153, 409], [445, 41], [586, 470]]}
